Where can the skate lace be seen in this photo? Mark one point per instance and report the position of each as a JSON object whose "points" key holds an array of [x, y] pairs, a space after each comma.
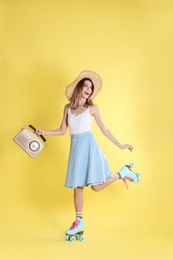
{"points": [[125, 179], [74, 224]]}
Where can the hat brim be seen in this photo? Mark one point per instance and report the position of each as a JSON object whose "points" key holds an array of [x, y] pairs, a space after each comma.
{"points": [[95, 78]]}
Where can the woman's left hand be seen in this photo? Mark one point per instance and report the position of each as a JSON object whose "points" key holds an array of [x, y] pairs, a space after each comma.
{"points": [[128, 146]]}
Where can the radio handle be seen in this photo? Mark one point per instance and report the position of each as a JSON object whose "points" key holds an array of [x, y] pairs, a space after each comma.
{"points": [[33, 128]]}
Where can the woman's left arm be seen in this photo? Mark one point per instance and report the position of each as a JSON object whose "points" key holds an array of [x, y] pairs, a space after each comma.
{"points": [[96, 113]]}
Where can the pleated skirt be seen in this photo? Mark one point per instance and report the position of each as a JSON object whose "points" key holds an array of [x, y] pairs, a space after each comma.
{"points": [[87, 165]]}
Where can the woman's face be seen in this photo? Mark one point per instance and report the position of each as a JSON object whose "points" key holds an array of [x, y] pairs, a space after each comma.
{"points": [[87, 89]]}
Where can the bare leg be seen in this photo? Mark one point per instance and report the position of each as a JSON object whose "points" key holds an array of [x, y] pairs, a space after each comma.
{"points": [[78, 199], [77, 227], [108, 181]]}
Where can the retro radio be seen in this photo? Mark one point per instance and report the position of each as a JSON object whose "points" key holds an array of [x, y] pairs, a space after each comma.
{"points": [[29, 141]]}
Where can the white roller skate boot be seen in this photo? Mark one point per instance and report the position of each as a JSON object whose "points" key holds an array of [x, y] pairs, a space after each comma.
{"points": [[126, 174], [76, 230]]}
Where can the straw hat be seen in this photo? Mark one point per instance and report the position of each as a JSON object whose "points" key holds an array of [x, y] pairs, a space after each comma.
{"points": [[85, 74]]}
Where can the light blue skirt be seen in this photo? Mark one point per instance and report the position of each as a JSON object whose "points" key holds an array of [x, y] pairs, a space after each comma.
{"points": [[87, 165]]}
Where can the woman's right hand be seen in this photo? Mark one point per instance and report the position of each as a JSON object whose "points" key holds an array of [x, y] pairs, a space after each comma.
{"points": [[38, 132]]}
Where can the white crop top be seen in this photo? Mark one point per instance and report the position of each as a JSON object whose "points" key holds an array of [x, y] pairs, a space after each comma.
{"points": [[80, 123]]}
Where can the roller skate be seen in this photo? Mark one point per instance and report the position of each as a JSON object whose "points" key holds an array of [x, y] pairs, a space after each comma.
{"points": [[76, 231], [126, 174]]}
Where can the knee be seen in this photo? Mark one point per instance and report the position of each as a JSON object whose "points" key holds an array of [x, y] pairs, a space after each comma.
{"points": [[78, 190], [95, 188]]}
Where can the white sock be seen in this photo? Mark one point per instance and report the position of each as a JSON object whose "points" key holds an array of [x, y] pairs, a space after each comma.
{"points": [[79, 214]]}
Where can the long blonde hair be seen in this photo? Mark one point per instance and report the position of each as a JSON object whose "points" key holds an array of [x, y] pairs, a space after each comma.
{"points": [[74, 100]]}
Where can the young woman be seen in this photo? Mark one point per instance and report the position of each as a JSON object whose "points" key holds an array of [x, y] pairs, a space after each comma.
{"points": [[87, 165]]}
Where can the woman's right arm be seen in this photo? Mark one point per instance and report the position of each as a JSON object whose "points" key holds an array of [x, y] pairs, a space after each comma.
{"points": [[61, 130]]}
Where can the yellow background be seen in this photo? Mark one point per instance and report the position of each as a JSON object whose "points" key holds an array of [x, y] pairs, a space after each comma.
{"points": [[44, 45]]}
